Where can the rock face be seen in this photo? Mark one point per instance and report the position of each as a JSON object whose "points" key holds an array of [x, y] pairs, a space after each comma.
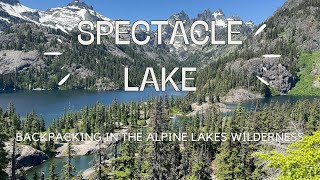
{"points": [[11, 60], [105, 84], [239, 95], [89, 147], [79, 70], [68, 17], [6, 11], [270, 69], [26, 155], [80, 4]]}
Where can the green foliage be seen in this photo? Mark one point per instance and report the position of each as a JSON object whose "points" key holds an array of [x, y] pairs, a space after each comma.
{"points": [[68, 169], [101, 65], [274, 92], [300, 161], [234, 159], [52, 172], [169, 159], [3, 158], [35, 176], [305, 85]]}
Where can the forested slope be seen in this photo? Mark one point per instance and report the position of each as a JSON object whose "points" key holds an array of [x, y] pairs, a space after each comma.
{"points": [[291, 31]]}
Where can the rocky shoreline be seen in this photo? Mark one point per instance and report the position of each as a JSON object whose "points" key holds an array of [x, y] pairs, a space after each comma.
{"points": [[28, 157], [88, 147], [240, 95]]}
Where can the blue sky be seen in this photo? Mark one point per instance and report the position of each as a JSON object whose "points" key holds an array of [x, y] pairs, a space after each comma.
{"points": [[256, 10]]}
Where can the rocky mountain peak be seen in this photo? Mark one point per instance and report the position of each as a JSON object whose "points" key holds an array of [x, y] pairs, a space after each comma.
{"points": [[12, 2], [206, 15], [218, 13], [250, 24], [181, 16], [220, 18], [80, 4]]}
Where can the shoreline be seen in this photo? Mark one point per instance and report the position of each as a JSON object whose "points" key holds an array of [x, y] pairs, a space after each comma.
{"points": [[27, 153], [91, 147]]}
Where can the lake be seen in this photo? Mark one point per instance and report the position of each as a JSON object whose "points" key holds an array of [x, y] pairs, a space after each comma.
{"points": [[51, 104], [79, 162]]}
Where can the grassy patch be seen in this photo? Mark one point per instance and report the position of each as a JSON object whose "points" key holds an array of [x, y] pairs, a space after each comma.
{"points": [[274, 91], [306, 79], [175, 111]]}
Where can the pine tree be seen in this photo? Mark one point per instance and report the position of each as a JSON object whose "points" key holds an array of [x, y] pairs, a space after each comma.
{"points": [[160, 154], [13, 160], [52, 172], [35, 176], [68, 168], [125, 164], [3, 158]]}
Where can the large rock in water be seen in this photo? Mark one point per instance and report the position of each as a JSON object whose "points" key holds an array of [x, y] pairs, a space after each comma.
{"points": [[27, 156], [270, 69]]}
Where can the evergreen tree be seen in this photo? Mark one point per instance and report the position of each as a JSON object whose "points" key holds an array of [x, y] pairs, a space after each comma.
{"points": [[3, 157], [35, 176], [68, 169], [52, 172]]}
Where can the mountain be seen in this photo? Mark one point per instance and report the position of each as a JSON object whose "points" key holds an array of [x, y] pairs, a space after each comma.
{"points": [[12, 12], [293, 29], [68, 17], [28, 33], [40, 31], [293, 32], [65, 18], [185, 51]]}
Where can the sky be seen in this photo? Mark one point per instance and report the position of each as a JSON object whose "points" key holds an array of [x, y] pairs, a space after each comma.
{"points": [[255, 10]]}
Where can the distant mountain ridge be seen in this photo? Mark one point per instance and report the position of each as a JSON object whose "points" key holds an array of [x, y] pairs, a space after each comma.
{"points": [[68, 17], [185, 51], [97, 67], [64, 18]]}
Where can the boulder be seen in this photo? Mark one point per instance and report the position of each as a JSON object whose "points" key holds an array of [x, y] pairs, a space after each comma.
{"points": [[26, 155], [270, 69]]}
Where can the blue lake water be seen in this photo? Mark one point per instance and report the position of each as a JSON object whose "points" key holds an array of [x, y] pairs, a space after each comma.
{"points": [[79, 162], [51, 104]]}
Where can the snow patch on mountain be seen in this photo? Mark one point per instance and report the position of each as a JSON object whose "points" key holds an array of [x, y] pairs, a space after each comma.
{"points": [[69, 17], [64, 18], [218, 13], [17, 10], [5, 19]]}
